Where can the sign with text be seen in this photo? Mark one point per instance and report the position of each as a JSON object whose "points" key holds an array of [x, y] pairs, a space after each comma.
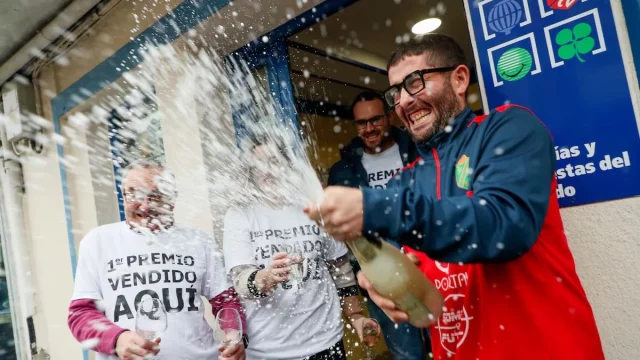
{"points": [[562, 60]]}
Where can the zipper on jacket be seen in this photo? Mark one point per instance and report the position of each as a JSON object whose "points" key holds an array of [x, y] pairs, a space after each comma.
{"points": [[437, 159]]}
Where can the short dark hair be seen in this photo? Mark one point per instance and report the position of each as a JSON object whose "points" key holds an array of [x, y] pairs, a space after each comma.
{"points": [[443, 51], [369, 95]]}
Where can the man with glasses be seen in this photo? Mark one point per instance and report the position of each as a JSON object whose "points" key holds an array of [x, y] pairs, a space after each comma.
{"points": [[149, 256], [372, 158], [480, 208], [379, 150]]}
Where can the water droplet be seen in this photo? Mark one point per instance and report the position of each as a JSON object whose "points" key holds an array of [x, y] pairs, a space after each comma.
{"points": [[99, 305], [90, 343], [501, 327]]}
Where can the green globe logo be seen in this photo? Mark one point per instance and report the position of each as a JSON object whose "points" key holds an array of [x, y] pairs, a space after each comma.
{"points": [[514, 64]]}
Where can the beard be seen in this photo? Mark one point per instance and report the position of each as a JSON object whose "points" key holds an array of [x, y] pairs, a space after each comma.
{"points": [[152, 220], [445, 106]]}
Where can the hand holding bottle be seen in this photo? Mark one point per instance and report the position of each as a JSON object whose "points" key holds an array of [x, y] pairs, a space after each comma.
{"points": [[340, 213], [387, 305]]}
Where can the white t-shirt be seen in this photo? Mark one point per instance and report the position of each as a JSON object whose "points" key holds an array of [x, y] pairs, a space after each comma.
{"points": [[283, 325], [382, 166], [121, 267]]}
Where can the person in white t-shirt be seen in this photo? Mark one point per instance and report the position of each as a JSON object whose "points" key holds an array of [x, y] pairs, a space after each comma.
{"points": [[286, 319], [148, 256]]}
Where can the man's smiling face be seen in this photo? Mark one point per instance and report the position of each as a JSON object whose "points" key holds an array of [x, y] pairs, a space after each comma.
{"points": [[427, 112], [371, 112]]}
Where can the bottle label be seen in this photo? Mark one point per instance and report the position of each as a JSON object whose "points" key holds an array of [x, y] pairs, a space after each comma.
{"points": [[419, 314]]}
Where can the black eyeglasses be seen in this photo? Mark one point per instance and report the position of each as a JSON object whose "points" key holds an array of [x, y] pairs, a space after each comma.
{"points": [[412, 83], [375, 121]]}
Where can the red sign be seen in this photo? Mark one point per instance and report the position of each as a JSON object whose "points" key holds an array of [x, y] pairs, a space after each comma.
{"points": [[561, 4]]}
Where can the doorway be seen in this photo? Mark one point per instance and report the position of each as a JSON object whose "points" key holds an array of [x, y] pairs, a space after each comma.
{"points": [[335, 59]]}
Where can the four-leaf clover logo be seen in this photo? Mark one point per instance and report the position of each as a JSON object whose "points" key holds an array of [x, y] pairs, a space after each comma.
{"points": [[575, 42]]}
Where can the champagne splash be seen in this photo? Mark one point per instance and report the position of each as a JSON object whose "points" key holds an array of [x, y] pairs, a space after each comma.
{"points": [[232, 108]]}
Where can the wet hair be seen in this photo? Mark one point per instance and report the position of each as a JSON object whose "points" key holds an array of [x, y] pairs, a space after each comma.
{"points": [[443, 51], [259, 140], [369, 95], [152, 163]]}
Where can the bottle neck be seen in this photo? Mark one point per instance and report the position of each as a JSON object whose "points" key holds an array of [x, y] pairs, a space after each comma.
{"points": [[364, 250]]}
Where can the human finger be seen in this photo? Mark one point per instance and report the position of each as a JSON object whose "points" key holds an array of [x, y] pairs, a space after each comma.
{"points": [[387, 305], [145, 344], [279, 264], [135, 350], [371, 331], [280, 271], [414, 259], [231, 351], [313, 212], [279, 255]]}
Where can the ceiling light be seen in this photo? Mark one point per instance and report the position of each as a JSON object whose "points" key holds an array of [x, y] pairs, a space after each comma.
{"points": [[426, 26]]}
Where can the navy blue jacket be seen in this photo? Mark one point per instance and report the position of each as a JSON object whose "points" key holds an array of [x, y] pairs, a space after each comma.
{"points": [[349, 170], [479, 193]]}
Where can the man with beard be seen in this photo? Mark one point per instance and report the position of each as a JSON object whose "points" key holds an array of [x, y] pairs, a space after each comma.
{"points": [[372, 158], [148, 256], [480, 209]]}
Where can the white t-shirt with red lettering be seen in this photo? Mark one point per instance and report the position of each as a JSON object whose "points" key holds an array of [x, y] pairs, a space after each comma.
{"points": [[120, 267]]}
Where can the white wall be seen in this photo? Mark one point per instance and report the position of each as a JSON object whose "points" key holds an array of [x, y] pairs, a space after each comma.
{"points": [[605, 241], [49, 246]]}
